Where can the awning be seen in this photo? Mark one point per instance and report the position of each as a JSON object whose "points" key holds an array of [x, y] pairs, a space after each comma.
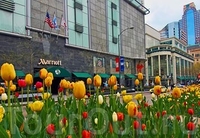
{"points": [[82, 75], [131, 76], [117, 75], [19, 73], [103, 75], [57, 72]]}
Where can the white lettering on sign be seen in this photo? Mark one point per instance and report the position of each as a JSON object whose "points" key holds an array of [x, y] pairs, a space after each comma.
{"points": [[50, 62]]}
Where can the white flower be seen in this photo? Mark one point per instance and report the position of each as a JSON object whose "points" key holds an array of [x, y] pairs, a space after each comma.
{"points": [[118, 94], [153, 95], [114, 117], [100, 99], [96, 121], [4, 96]]}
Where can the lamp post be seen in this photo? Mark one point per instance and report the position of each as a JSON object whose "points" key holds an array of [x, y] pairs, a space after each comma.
{"points": [[120, 53]]}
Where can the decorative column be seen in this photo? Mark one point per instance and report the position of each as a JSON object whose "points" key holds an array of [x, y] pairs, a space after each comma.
{"points": [[159, 72]]}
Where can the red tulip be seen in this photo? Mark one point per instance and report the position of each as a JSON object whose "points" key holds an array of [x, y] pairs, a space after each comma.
{"points": [[16, 94], [36, 97], [69, 136], [110, 128], [164, 113], [21, 83], [64, 121], [85, 134], [190, 126], [178, 117], [136, 124], [143, 127], [50, 129], [191, 111], [120, 116], [38, 85], [88, 94], [139, 115], [60, 89], [138, 107], [198, 103], [146, 104], [85, 114], [158, 114]]}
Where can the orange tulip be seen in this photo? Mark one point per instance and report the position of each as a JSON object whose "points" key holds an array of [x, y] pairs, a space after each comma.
{"points": [[50, 75], [157, 80], [176, 93], [48, 81], [112, 80], [13, 87], [43, 73], [40, 89], [79, 90], [89, 81], [29, 79], [157, 89], [2, 90], [115, 87], [140, 76], [97, 81], [137, 82], [132, 109], [8, 72]]}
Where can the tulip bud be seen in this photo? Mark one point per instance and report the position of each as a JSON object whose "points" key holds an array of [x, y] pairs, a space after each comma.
{"points": [[96, 121], [100, 99], [153, 96], [118, 94], [4, 96], [114, 117]]}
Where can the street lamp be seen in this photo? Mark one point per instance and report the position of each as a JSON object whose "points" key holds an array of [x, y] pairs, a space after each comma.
{"points": [[120, 53]]}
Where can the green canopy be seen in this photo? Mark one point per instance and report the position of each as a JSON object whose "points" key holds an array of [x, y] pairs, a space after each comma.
{"points": [[103, 75], [57, 72], [131, 76], [117, 75], [82, 75], [19, 73]]}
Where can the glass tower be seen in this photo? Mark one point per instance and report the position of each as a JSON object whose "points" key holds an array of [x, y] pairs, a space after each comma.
{"points": [[190, 24]]}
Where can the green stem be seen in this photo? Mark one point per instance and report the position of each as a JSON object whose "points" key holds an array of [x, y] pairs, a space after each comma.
{"points": [[22, 91], [90, 89], [43, 91], [79, 121], [9, 110], [28, 89]]}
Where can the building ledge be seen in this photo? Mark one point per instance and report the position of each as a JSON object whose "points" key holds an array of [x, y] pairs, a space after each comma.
{"points": [[14, 34]]}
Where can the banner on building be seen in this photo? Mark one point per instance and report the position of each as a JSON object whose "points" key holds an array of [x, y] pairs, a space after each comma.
{"points": [[117, 64]]}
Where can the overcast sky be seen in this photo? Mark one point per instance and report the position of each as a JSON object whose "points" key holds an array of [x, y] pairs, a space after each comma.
{"points": [[163, 12]]}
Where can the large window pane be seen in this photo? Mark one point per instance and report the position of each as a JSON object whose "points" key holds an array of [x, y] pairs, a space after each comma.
{"points": [[79, 17], [19, 27], [6, 21]]}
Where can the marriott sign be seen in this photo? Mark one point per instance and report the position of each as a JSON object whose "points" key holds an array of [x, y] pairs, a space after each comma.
{"points": [[50, 62]]}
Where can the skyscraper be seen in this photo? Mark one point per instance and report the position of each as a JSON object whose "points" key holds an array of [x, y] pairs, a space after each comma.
{"points": [[190, 24], [170, 30]]}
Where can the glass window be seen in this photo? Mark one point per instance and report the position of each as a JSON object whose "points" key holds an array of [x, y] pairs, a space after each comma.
{"points": [[6, 21], [115, 32], [79, 17]]}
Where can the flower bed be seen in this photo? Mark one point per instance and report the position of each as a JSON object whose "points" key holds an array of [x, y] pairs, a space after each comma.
{"points": [[171, 115]]}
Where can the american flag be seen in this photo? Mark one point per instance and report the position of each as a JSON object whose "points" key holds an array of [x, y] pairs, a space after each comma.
{"points": [[49, 21], [63, 23]]}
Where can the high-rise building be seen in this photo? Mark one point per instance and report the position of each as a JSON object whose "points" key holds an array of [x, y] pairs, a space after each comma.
{"points": [[170, 30], [190, 24]]}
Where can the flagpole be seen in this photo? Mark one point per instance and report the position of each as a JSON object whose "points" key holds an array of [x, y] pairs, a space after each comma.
{"points": [[59, 26], [44, 24]]}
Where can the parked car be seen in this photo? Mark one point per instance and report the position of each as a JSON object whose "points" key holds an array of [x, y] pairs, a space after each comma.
{"points": [[163, 89]]}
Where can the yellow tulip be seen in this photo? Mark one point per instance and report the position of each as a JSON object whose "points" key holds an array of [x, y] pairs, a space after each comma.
{"points": [[89, 81], [114, 117], [112, 80], [2, 110], [50, 75], [79, 90], [2, 90], [46, 95], [71, 85], [127, 98], [43, 73], [8, 72], [137, 82], [123, 92], [140, 76], [64, 84], [132, 109], [40, 89], [157, 80], [176, 93], [13, 87], [97, 80], [29, 79], [9, 134], [138, 97], [37, 106], [48, 81]]}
